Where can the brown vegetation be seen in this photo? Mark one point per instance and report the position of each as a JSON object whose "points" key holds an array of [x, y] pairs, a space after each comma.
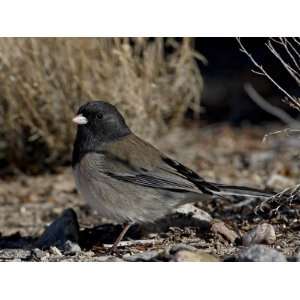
{"points": [[44, 80]]}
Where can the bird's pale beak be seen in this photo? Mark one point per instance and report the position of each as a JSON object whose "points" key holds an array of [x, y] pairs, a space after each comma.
{"points": [[80, 120]]}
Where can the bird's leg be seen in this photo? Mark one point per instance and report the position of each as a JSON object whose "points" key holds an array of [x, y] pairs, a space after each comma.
{"points": [[120, 237]]}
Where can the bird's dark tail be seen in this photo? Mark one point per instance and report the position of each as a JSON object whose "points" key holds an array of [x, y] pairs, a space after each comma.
{"points": [[231, 190]]}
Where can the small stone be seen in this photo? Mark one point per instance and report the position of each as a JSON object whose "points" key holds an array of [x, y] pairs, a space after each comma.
{"points": [[178, 247], [193, 256], [39, 253], [71, 248], [221, 228], [89, 253], [194, 212], [263, 233], [260, 253], [55, 251], [279, 181], [144, 256], [107, 259], [45, 258]]}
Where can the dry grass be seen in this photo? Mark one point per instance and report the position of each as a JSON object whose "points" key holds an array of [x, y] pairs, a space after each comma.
{"points": [[44, 80]]}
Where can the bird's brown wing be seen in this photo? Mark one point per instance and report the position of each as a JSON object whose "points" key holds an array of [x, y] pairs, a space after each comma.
{"points": [[137, 162]]}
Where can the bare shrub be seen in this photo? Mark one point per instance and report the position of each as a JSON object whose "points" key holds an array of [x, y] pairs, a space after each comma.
{"points": [[287, 51], [44, 80]]}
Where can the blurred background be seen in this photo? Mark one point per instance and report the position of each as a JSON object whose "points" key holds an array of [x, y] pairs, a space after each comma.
{"points": [[207, 102], [158, 83]]}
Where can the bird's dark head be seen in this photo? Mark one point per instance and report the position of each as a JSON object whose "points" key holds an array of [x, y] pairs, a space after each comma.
{"points": [[98, 122], [101, 120]]}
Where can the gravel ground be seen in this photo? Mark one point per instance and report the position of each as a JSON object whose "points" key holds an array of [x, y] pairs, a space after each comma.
{"points": [[217, 230]]}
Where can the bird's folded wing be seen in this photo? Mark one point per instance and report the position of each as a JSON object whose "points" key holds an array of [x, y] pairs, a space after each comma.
{"points": [[166, 174]]}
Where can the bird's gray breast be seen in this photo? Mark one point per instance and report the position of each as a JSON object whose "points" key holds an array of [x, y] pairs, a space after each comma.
{"points": [[95, 187], [119, 200]]}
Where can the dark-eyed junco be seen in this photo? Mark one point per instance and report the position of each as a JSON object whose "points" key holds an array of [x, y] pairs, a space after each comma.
{"points": [[127, 179]]}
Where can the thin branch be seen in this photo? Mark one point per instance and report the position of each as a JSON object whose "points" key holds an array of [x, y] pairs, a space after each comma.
{"points": [[291, 71], [258, 72], [266, 106], [262, 70], [289, 44], [296, 41], [286, 132], [136, 243], [284, 197]]}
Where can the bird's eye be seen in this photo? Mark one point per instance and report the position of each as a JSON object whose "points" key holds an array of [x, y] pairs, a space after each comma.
{"points": [[99, 116]]}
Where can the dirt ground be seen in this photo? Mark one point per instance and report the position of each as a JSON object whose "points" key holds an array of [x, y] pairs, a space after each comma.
{"points": [[218, 152]]}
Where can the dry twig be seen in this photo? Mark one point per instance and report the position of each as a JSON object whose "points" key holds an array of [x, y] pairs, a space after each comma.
{"points": [[284, 197], [265, 105], [136, 243], [292, 100]]}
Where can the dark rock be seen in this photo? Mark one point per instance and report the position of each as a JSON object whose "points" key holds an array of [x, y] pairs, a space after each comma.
{"points": [[16, 241], [260, 253], [296, 257], [293, 259], [64, 228]]}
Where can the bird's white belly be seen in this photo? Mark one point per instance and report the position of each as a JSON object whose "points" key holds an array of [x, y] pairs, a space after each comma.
{"points": [[120, 201]]}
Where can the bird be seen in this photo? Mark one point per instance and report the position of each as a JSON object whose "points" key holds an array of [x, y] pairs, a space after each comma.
{"points": [[128, 180]]}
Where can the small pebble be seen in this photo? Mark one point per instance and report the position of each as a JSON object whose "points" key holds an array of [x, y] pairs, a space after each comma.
{"points": [[263, 233], [221, 228], [279, 181], [194, 212], [89, 253], [193, 256], [108, 259], [55, 251], [71, 248], [171, 250], [144, 256], [45, 258], [38, 253]]}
